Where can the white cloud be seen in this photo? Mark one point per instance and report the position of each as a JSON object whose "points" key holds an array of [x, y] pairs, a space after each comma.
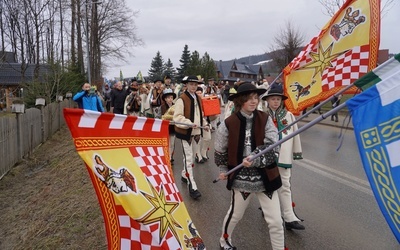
{"points": [[227, 29]]}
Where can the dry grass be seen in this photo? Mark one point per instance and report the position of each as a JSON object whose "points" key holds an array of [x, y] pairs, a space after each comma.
{"points": [[48, 202]]}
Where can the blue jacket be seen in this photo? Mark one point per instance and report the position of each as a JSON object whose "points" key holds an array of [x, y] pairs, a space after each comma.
{"points": [[88, 101]]}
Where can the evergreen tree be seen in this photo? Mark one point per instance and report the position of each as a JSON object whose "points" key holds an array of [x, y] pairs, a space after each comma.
{"points": [[208, 69], [194, 66], [185, 59], [170, 70], [157, 68]]}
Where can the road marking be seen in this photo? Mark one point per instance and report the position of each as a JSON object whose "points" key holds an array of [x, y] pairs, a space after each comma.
{"points": [[336, 175]]}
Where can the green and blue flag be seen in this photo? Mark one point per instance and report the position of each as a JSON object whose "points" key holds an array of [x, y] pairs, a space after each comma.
{"points": [[376, 120]]}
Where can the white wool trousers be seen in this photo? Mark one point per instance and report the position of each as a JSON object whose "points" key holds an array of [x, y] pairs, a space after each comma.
{"points": [[188, 150], [272, 215], [285, 196]]}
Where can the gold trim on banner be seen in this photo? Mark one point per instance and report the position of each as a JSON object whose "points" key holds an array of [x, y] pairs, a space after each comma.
{"points": [[86, 143], [107, 203]]}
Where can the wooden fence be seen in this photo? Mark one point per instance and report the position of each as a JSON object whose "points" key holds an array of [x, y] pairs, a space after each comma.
{"points": [[20, 134]]}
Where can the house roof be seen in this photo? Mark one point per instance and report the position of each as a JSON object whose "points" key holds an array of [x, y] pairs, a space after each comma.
{"points": [[226, 67], [11, 73]]}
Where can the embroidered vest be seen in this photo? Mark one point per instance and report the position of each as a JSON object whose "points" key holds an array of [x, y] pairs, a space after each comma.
{"points": [[236, 125], [188, 112]]}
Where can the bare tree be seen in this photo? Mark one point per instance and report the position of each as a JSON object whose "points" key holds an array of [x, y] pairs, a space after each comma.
{"points": [[34, 31], [332, 6], [287, 44]]}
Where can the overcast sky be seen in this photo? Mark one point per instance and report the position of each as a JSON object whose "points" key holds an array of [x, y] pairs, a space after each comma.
{"points": [[227, 29]]}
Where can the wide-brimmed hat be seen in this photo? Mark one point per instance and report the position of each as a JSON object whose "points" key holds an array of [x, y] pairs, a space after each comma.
{"points": [[275, 92], [168, 92], [187, 79], [246, 88]]}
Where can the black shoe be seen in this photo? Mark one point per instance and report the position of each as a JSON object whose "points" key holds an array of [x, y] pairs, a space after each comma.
{"points": [[336, 120], [199, 161], [194, 193], [294, 225], [205, 158], [227, 247], [184, 180]]}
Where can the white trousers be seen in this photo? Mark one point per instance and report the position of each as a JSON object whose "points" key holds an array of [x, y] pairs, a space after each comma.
{"points": [[205, 143], [272, 216], [285, 196], [171, 146], [188, 150]]}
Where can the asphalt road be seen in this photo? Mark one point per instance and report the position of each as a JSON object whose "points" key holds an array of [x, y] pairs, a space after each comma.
{"points": [[330, 190]]}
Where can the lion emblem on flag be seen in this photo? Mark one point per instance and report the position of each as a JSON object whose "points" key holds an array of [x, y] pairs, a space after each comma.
{"points": [[301, 90], [117, 181]]}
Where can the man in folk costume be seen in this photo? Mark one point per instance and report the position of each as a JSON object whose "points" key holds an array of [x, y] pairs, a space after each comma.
{"points": [[239, 137], [167, 112], [156, 100], [143, 94], [289, 151], [133, 100], [188, 119]]}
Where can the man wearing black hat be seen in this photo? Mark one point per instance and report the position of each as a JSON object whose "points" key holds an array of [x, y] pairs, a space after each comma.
{"points": [[188, 119], [156, 100], [242, 135]]}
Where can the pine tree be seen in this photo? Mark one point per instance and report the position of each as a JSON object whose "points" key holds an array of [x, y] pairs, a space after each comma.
{"points": [[185, 59], [170, 70], [209, 69], [157, 68], [194, 67]]}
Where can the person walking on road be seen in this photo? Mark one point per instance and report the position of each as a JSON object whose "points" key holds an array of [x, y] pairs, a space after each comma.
{"points": [[290, 150], [188, 120], [247, 131], [335, 102]]}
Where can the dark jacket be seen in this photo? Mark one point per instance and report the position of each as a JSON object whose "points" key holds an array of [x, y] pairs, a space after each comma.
{"points": [[236, 125]]}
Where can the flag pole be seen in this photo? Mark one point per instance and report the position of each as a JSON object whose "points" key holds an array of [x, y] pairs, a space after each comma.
{"points": [[186, 124], [302, 129]]}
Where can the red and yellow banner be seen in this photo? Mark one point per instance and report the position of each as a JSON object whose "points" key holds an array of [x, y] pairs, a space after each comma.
{"points": [[128, 162], [345, 49]]}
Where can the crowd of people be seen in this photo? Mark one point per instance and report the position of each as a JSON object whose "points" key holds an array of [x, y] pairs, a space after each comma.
{"points": [[255, 117]]}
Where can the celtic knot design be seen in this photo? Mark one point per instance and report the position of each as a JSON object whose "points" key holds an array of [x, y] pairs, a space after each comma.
{"points": [[384, 182]]}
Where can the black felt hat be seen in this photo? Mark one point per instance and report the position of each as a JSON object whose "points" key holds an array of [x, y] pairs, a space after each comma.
{"points": [[277, 91], [187, 79], [246, 88]]}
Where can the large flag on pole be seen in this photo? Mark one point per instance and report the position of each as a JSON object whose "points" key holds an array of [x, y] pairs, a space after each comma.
{"points": [[128, 162], [345, 49], [139, 76], [376, 120]]}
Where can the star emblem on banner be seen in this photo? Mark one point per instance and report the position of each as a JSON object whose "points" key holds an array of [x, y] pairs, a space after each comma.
{"points": [[161, 212], [321, 59]]}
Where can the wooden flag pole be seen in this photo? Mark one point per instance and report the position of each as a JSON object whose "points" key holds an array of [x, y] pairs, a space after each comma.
{"points": [[304, 128]]}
